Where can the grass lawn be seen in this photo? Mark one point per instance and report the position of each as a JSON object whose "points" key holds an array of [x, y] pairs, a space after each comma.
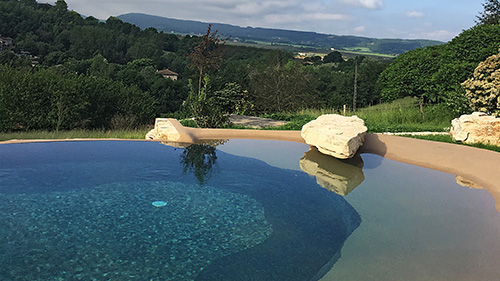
{"points": [[447, 138], [366, 53], [399, 116], [76, 134]]}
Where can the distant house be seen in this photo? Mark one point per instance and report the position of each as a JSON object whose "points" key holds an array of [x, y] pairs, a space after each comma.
{"points": [[166, 73], [5, 42]]}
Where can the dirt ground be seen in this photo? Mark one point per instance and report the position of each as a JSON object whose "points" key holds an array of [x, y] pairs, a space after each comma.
{"points": [[254, 122]]}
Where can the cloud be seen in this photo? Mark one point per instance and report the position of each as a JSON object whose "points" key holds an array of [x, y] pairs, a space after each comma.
{"points": [[294, 18], [359, 29], [342, 17], [441, 35], [414, 14], [367, 4], [255, 8], [325, 16]]}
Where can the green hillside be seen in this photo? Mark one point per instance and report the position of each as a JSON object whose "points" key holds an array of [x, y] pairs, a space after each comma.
{"points": [[278, 36]]}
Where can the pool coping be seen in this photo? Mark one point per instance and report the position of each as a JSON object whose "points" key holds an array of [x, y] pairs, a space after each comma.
{"points": [[479, 166]]}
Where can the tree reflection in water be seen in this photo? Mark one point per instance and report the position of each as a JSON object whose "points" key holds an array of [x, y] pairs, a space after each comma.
{"points": [[200, 159]]}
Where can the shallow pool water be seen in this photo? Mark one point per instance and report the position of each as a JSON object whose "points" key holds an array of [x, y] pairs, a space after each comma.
{"points": [[246, 210]]}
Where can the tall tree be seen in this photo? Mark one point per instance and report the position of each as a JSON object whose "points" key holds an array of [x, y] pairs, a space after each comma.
{"points": [[206, 56], [279, 87], [355, 93], [491, 14]]}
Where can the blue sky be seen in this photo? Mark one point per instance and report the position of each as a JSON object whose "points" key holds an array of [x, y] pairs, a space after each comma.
{"points": [[425, 19]]}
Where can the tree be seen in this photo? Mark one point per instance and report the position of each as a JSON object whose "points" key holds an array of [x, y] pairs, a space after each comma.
{"points": [[411, 75], [334, 56], [434, 73], [206, 56], [491, 14], [280, 87], [233, 99], [205, 108], [483, 89], [316, 60]]}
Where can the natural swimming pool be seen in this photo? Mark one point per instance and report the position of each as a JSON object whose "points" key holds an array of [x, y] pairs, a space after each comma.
{"points": [[245, 210]]}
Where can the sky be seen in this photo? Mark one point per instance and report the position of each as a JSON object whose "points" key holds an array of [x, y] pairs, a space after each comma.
{"points": [[416, 19]]}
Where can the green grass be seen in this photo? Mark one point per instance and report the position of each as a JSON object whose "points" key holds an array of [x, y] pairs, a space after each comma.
{"points": [[448, 139], [76, 134], [358, 49], [365, 52], [405, 116], [399, 116]]}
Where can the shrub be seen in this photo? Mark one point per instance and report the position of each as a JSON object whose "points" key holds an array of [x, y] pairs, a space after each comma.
{"points": [[483, 89]]}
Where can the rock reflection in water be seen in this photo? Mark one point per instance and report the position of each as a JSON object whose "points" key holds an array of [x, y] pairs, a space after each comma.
{"points": [[339, 176], [467, 183]]}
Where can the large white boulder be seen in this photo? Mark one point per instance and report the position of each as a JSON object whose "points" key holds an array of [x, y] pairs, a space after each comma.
{"points": [[168, 129], [335, 135], [476, 128]]}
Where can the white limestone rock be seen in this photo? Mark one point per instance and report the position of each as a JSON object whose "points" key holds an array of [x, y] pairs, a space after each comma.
{"points": [[164, 130], [335, 135], [476, 128]]}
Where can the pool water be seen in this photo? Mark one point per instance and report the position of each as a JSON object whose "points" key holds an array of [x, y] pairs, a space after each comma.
{"points": [[245, 210]]}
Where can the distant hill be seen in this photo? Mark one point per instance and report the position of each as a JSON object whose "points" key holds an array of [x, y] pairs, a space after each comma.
{"points": [[278, 36]]}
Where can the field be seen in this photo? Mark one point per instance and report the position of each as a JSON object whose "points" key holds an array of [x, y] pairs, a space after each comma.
{"points": [[347, 52]]}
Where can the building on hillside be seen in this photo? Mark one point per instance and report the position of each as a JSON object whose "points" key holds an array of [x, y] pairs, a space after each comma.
{"points": [[166, 73], [5, 42]]}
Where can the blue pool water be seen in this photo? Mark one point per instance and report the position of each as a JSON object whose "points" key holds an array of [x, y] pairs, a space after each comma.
{"points": [[248, 210]]}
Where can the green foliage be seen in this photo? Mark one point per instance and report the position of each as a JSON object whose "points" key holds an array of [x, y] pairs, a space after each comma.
{"points": [[45, 99], [456, 103], [137, 133], [435, 73], [447, 138], [333, 57], [204, 107], [474, 45], [279, 87], [335, 83], [295, 120], [491, 14], [206, 55], [316, 60], [411, 75], [95, 74], [189, 123], [233, 99], [404, 115], [399, 116]]}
